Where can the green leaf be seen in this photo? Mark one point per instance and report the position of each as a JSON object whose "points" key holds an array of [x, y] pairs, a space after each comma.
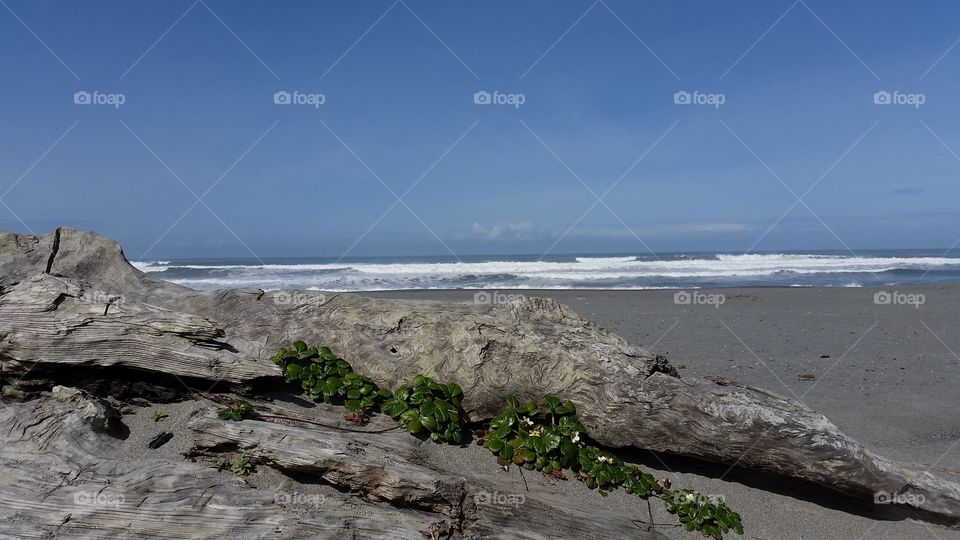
{"points": [[503, 420], [294, 371], [550, 440], [551, 403], [429, 408], [566, 408], [408, 415], [299, 346], [531, 408], [428, 422], [442, 410], [493, 444], [396, 408]]}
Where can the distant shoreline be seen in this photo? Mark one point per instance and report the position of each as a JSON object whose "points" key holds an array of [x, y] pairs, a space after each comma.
{"points": [[631, 272]]}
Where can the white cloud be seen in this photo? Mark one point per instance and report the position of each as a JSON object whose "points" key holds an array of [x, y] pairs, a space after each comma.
{"points": [[525, 231], [661, 230], [522, 230]]}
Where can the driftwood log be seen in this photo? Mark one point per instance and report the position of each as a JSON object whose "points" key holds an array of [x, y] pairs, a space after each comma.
{"points": [[63, 477], [70, 297]]}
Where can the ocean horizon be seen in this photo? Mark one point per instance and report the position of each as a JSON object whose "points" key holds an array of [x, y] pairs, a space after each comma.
{"points": [[621, 271]]}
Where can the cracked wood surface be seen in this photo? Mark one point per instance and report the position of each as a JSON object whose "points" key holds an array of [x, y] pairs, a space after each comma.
{"points": [[62, 477]]}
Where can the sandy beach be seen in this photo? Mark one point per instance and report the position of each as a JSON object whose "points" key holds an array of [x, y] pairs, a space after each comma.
{"points": [[884, 375]]}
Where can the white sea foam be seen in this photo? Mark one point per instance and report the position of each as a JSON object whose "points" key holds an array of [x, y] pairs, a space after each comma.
{"points": [[605, 259], [583, 272]]}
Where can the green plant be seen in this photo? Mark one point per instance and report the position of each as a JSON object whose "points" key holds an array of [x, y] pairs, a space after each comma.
{"points": [[326, 377], [515, 437], [159, 416], [237, 410], [429, 407], [545, 436], [697, 512], [548, 437], [424, 407], [242, 466]]}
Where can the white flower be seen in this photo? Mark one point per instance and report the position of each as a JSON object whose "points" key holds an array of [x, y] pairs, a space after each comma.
{"points": [[535, 432], [690, 497], [576, 437], [528, 421]]}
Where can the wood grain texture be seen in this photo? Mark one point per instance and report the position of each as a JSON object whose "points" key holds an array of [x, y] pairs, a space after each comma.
{"points": [[61, 477], [385, 467]]}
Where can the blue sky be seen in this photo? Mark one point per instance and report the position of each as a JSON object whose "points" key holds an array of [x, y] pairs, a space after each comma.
{"points": [[398, 81]]}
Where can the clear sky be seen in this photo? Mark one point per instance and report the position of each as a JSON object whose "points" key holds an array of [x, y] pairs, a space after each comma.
{"points": [[584, 107]]}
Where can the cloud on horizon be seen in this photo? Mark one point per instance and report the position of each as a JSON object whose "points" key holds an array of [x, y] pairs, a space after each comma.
{"points": [[522, 231]]}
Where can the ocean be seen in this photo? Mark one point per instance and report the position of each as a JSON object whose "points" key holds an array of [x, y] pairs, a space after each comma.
{"points": [[622, 271]]}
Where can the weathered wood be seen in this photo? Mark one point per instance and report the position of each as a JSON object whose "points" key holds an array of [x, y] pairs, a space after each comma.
{"points": [[54, 320], [385, 467], [530, 348], [61, 477], [375, 464]]}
